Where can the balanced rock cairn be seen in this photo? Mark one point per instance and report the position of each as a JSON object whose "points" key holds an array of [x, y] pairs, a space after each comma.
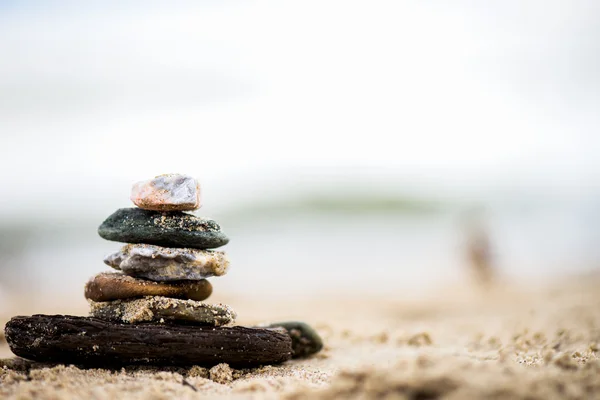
{"points": [[152, 310]]}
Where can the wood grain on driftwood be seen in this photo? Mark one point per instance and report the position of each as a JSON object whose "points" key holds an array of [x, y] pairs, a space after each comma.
{"points": [[93, 342]]}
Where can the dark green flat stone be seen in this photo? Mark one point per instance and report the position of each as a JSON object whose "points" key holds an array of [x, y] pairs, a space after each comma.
{"points": [[305, 340], [167, 229]]}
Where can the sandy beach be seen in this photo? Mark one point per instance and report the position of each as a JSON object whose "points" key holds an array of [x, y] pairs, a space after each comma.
{"points": [[514, 341]]}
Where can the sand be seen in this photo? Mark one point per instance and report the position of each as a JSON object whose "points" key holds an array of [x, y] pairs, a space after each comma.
{"points": [[526, 341]]}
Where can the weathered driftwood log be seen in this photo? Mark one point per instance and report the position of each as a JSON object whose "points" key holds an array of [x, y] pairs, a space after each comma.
{"points": [[93, 342]]}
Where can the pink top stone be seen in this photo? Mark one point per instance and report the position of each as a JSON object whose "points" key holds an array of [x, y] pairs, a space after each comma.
{"points": [[169, 192]]}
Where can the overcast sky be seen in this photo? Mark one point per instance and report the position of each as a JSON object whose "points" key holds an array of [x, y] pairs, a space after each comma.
{"points": [[96, 94]]}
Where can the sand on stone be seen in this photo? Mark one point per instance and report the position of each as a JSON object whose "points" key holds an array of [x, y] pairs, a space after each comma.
{"points": [[168, 264], [108, 286], [161, 309]]}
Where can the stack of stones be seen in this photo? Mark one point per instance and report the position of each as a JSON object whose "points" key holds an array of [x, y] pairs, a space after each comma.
{"points": [[152, 310], [166, 262]]}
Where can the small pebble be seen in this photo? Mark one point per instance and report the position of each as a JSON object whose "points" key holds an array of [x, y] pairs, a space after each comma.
{"points": [[420, 339], [198, 372], [221, 373], [169, 192], [305, 340]]}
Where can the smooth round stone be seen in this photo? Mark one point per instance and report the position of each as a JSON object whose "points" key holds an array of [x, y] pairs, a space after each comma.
{"points": [[168, 229], [168, 264], [169, 192], [305, 340], [162, 309], [114, 286]]}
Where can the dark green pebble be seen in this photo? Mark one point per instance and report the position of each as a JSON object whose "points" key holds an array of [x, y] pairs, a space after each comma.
{"points": [[167, 229], [305, 340]]}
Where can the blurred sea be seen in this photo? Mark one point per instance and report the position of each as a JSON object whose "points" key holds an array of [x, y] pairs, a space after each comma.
{"points": [[309, 252]]}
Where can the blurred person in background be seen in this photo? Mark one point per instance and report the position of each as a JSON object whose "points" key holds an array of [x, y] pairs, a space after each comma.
{"points": [[479, 249]]}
